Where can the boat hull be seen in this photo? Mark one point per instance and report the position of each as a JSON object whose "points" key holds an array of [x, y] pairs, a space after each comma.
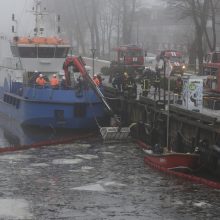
{"points": [[54, 109], [174, 160]]}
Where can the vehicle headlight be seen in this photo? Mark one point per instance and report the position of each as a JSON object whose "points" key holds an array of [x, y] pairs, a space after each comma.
{"points": [[184, 67]]}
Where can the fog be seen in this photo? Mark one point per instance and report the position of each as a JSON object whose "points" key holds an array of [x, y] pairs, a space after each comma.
{"points": [[22, 16]]}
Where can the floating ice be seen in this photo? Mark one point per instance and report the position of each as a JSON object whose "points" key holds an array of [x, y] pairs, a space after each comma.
{"points": [[14, 157], [112, 183], [87, 156], [91, 187], [87, 168], [14, 208], [67, 161], [201, 204], [39, 165], [107, 153]]}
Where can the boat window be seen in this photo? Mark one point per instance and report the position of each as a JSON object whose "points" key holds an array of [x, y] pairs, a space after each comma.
{"points": [[61, 52], [46, 52], [28, 52]]}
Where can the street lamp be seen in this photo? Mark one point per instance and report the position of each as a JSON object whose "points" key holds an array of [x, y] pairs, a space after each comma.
{"points": [[93, 50]]}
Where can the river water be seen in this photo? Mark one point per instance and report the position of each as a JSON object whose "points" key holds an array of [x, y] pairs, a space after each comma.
{"points": [[92, 180]]}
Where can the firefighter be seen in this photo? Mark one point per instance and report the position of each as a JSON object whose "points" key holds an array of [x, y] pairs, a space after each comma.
{"points": [[54, 82], [130, 86], [156, 81], [178, 86], [117, 82], [96, 80], [100, 78], [145, 85], [63, 83], [40, 80]]}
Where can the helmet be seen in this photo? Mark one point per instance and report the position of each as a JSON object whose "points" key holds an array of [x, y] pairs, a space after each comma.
{"points": [[41, 75], [54, 75], [63, 77], [95, 75]]}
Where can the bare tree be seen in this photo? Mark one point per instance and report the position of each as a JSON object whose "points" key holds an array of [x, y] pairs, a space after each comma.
{"points": [[200, 11]]}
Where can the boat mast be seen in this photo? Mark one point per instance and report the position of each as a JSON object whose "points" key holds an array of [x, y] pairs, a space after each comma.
{"points": [[168, 71], [37, 11]]}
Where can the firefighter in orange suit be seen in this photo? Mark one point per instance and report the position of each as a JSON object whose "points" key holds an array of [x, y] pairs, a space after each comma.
{"points": [[54, 81], [96, 80], [40, 80]]}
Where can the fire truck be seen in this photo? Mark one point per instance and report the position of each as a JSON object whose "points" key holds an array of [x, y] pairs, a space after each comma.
{"points": [[211, 79], [211, 72], [176, 60], [129, 58]]}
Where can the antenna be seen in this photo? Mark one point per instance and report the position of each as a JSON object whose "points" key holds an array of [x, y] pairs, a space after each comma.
{"points": [[39, 14]]}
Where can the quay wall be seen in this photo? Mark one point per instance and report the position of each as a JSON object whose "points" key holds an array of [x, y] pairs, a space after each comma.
{"points": [[188, 131]]}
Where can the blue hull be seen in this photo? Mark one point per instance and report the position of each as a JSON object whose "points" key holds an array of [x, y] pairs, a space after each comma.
{"points": [[46, 107]]}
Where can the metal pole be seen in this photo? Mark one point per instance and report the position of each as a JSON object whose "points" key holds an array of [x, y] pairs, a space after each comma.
{"points": [[93, 61], [168, 113], [164, 82]]}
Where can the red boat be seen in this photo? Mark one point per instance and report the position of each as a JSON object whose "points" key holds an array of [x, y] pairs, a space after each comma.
{"points": [[172, 160]]}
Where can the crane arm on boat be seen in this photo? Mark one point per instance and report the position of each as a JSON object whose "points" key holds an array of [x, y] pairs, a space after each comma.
{"points": [[108, 133]]}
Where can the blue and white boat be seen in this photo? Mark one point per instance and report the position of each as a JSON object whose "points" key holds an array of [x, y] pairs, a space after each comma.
{"points": [[26, 103]]}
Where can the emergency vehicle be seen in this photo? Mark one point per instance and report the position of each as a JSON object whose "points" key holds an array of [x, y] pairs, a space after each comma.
{"points": [[128, 58], [176, 60], [211, 72]]}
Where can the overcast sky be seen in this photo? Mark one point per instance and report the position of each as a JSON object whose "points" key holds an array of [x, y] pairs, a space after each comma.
{"points": [[25, 19], [19, 8]]}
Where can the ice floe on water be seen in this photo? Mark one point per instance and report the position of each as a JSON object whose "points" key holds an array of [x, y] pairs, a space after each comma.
{"points": [[82, 145], [39, 165], [87, 156], [87, 168], [107, 153], [14, 157], [201, 204], [14, 209], [67, 161], [28, 171], [100, 186], [112, 183], [91, 187]]}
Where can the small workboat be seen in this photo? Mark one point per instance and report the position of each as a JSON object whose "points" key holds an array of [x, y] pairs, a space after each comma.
{"points": [[173, 160]]}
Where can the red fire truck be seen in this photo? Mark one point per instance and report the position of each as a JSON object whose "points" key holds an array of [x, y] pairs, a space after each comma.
{"points": [[211, 70], [176, 60], [129, 58]]}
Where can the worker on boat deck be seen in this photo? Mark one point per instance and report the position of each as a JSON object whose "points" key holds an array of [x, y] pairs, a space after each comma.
{"points": [[100, 78], [63, 83], [40, 80], [96, 80], [54, 82]]}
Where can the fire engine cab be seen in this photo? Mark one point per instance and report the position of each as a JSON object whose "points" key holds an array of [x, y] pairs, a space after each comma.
{"points": [[211, 70], [128, 58], [176, 60]]}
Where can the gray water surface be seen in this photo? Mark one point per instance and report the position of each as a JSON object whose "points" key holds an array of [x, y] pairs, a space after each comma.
{"points": [[95, 181]]}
